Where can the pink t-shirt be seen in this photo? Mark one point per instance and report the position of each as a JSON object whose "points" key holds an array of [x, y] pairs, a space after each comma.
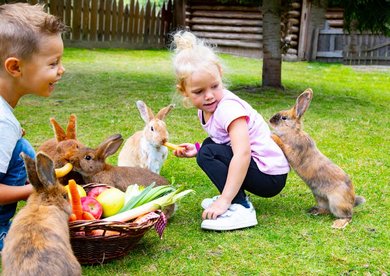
{"points": [[266, 153]]}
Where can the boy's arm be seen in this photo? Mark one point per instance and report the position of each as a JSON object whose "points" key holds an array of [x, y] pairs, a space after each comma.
{"points": [[11, 194]]}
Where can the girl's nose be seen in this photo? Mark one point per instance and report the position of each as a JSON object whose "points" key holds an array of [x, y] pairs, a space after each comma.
{"points": [[209, 95]]}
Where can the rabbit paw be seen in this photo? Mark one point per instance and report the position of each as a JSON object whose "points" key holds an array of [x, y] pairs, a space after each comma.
{"points": [[341, 223], [318, 211]]}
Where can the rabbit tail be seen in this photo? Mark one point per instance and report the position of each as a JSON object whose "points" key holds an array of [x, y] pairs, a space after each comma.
{"points": [[359, 200]]}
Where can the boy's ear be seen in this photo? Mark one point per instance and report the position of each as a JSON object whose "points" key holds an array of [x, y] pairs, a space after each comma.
{"points": [[12, 66]]}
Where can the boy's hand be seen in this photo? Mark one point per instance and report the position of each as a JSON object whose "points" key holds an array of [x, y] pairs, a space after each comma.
{"points": [[189, 150]]}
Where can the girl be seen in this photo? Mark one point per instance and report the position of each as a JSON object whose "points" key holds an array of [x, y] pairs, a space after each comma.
{"points": [[239, 154]]}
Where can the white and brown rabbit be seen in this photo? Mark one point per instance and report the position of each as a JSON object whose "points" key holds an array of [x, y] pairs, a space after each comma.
{"points": [[63, 146], [145, 148], [331, 186], [91, 164], [38, 241]]}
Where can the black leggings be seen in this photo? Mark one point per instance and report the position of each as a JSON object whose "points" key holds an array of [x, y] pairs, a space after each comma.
{"points": [[214, 159]]}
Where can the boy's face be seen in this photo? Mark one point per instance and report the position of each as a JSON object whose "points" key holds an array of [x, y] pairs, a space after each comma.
{"points": [[41, 72]]}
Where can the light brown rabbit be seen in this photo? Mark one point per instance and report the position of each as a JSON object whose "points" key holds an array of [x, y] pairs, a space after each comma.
{"points": [[91, 164], [331, 186], [63, 146], [145, 148], [38, 241]]}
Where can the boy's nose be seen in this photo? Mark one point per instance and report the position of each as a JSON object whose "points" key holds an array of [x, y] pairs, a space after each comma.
{"points": [[61, 70]]}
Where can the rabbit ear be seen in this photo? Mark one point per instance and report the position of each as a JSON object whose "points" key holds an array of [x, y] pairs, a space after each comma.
{"points": [[58, 131], [164, 112], [303, 102], [45, 169], [146, 113], [31, 171], [71, 130], [109, 146]]}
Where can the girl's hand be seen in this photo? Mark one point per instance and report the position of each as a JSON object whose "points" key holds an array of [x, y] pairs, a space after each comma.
{"points": [[216, 209], [189, 150]]}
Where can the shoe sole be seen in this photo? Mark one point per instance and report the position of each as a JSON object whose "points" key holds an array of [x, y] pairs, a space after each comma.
{"points": [[227, 228]]}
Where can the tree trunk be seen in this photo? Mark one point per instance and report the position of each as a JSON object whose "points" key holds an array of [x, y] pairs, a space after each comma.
{"points": [[272, 57]]}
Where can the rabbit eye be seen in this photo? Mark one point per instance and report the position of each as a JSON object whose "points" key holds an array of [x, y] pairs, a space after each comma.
{"points": [[152, 128], [284, 118], [87, 157]]}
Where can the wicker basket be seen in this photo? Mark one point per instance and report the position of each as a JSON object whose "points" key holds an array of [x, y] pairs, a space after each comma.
{"points": [[99, 241]]}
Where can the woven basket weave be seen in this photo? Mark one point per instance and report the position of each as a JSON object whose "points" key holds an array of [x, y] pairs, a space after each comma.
{"points": [[93, 241]]}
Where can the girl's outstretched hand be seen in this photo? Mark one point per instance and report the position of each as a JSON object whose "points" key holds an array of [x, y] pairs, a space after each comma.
{"points": [[189, 150], [216, 209]]}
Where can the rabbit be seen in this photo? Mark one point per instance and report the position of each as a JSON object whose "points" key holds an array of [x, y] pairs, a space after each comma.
{"points": [[145, 148], [62, 147], [331, 186], [38, 241], [91, 164]]}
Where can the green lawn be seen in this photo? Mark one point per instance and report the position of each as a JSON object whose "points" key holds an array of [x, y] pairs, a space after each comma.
{"points": [[348, 118]]}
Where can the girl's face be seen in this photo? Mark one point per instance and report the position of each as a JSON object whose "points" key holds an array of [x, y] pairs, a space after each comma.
{"points": [[40, 74], [204, 88]]}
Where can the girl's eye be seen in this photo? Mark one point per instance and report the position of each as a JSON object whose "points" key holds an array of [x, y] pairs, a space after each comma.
{"points": [[197, 92], [87, 157], [284, 118], [215, 86], [152, 128]]}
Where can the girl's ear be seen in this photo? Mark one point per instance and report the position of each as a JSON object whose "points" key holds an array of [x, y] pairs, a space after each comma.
{"points": [[12, 66]]}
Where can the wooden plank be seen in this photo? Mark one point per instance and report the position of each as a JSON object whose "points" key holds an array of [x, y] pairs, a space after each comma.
{"points": [[234, 43], [141, 26], [239, 36], [225, 8], [107, 20], [101, 20], [60, 9], [228, 29], [53, 7], [68, 19], [134, 38], [76, 24], [336, 23], [125, 36], [85, 25], [146, 31], [158, 29], [315, 44], [303, 30], [153, 40], [330, 54], [114, 21], [94, 22], [228, 14], [222, 21], [132, 20], [120, 21]]}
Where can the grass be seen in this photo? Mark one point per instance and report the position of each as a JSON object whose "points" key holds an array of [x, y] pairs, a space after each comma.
{"points": [[348, 119]]}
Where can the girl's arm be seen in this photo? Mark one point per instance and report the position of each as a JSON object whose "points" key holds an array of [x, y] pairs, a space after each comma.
{"points": [[238, 168], [11, 194]]}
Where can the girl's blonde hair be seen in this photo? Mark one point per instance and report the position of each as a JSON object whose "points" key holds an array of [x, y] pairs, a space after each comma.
{"points": [[191, 54]]}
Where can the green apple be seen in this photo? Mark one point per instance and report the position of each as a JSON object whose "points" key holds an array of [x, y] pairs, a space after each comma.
{"points": [[112, 200]]}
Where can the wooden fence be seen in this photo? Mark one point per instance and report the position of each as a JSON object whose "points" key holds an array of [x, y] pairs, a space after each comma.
{"points": [[111, 23]]}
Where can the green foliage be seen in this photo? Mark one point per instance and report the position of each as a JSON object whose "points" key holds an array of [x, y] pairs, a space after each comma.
{"points": [[366, 15], [348, 119]]}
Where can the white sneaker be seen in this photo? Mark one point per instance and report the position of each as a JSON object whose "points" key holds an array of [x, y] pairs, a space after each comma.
{"points": [[236, 217], [208, 201]]}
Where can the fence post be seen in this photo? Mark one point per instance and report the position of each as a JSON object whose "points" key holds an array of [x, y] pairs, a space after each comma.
{"points": [[179, 10]]}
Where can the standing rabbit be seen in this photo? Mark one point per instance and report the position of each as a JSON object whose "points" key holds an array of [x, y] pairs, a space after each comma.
{"points": [[145, 148], [64, 145], [91, 164], [331, 186], [38, 242]]}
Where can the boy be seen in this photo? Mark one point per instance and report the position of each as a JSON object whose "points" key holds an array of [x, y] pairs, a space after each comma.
{"points": [[31, 49]]}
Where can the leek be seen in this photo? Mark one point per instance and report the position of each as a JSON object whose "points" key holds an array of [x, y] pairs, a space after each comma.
{"points": [[151, 206]]}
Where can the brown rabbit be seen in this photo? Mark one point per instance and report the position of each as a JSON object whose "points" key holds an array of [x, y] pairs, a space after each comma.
{"points": [[331, 186], [38, 241], [91, 164], [63, 146]]}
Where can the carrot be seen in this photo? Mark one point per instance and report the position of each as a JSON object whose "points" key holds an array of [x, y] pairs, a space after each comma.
{"points": [[172, 146], [72, 217], [88, 216], [75, 200]]}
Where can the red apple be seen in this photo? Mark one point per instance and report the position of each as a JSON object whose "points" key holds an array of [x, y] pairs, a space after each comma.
{"points": [[91, 205], [94, 192]]}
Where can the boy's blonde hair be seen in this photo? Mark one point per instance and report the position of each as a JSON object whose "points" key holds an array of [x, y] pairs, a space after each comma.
{"points": [[191, 54], [22, 26]]}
